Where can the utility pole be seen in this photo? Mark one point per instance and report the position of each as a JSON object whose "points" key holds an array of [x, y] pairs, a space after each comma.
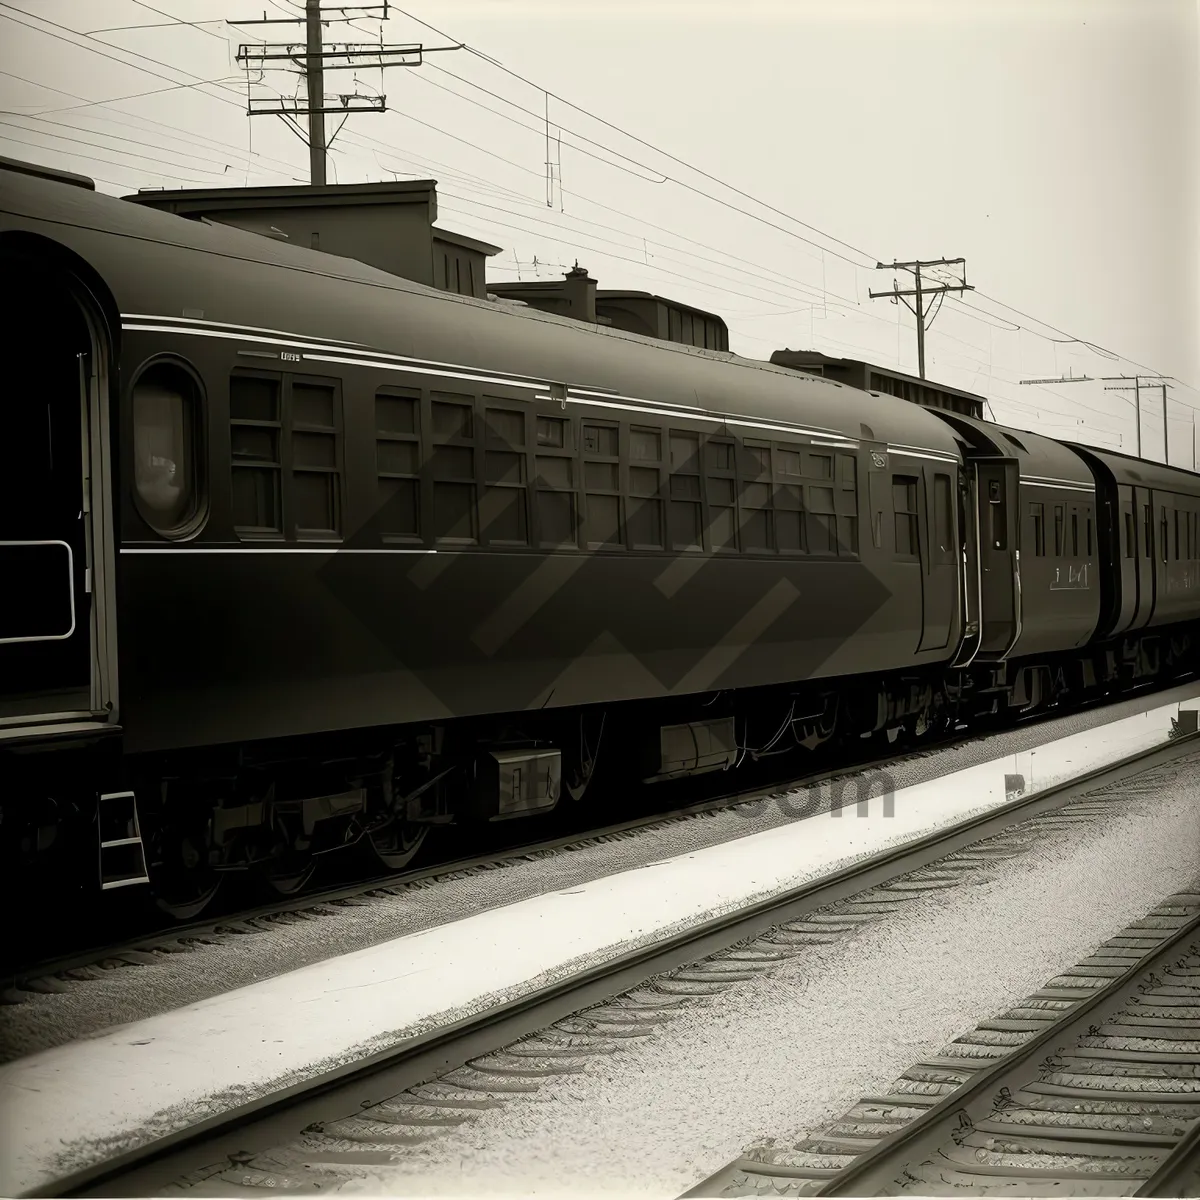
{"points": [[1136, 388], [1166, 435], [315, 74], [314, 59], [920, 292]]}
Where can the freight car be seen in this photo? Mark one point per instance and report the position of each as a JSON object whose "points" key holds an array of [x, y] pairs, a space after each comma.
{"points": [[299, 555]]}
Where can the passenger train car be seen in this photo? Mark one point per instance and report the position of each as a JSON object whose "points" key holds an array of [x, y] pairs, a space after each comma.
{"points": [[298, 555]]}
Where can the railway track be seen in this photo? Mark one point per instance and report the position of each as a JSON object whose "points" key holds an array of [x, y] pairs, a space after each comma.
{"points": [[368, 1112], [1089, 1086], [56, 973], [137, 946]]}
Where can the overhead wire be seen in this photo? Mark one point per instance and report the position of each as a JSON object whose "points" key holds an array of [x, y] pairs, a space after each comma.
{"points": [[117, 149], [169, 131], [714, 179], [197, 82]]}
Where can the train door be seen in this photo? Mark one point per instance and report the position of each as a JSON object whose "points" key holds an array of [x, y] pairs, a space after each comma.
{"points": [[1127, 559], [997, 482], [52, 642], [1145, 549], [941, 570], [970, 570]]}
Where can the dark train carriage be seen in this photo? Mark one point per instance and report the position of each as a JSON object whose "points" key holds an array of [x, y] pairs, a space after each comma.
{"points": [[433, 508], [1149, 542], [408, 518]]}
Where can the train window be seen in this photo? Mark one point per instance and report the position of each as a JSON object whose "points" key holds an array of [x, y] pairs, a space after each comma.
{"points": [[453, 416], [822, 521], [943, 524], [756, 460], [788, 497], [166, 402], [718, 455], [755, 500], [455, 515], [684, 515], [504, 509], [904, 504], [818, 466], [1037, 516], [848, 472], [720, 491], [787, 461], [556, 517], [646, 490], [504, 427], [1089, 535], [552, 432], [256, 429], [398, 462], [1129, 535], [554, 492], [602, 485], [1177, 535], [315, 469], [645, 445], [1163, 534], [1148, 521], [1058, 531], [1074, 535]]}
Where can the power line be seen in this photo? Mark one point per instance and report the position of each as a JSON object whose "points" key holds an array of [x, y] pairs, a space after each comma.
{"points": [[116, 137], [958, 307], [171, 131], [641, 141], [96, 50]]}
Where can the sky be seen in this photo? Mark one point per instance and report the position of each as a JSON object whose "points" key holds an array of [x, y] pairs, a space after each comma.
{"points": [[757, 160]]}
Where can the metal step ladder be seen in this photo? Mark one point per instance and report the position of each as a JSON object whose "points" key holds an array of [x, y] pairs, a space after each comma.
{"points": [[122, 855]]}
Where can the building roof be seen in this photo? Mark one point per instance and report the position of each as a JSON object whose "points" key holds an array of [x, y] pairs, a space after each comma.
{"points": [[293, 195]]}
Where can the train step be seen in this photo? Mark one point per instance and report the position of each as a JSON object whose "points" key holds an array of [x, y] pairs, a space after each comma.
{"points": [[122, 854]]}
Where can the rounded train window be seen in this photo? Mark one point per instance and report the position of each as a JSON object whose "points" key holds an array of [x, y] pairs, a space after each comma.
{"points": [[166, 415]]}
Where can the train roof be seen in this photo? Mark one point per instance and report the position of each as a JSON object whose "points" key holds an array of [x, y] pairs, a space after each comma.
{"points": [[1126, 468], [158, 264], [1040, 456]]}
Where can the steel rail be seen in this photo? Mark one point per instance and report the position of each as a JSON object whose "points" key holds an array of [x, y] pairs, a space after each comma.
{"points": [[967, 1113], [1179, 1172], [20, 977], [430, 1055]]}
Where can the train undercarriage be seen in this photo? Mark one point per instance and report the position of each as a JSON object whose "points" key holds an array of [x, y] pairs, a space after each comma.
{"points": [[274, 811]]}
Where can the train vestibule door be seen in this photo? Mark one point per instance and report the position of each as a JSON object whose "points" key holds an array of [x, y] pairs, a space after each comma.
{"points": [[997, 496], [941, 571], [1125, 549], [1146, 556], [52, 663]]}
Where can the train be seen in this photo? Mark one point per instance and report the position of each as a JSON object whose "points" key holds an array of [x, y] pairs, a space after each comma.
{"points": [[299, 556]]}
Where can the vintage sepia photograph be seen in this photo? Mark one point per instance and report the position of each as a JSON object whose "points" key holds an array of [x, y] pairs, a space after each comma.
{"points": [[599, 598]]}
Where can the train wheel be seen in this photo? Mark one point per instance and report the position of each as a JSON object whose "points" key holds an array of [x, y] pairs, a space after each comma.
{"points": [[290, 875], [183, 883], [398, 843]]}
